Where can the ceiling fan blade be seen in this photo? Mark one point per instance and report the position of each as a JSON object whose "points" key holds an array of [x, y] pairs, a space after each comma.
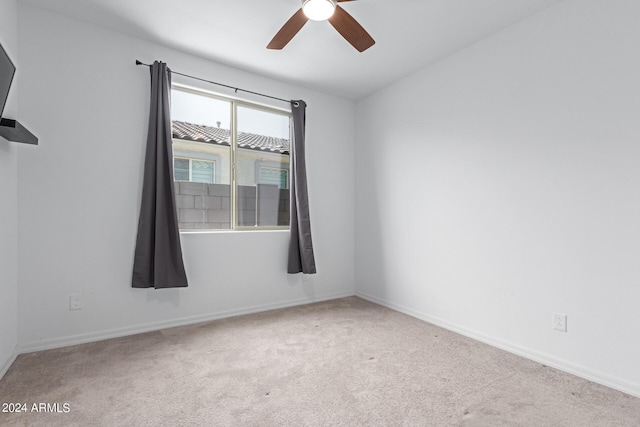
{"points": [[351, 30], [340, 1], [288, 30]]}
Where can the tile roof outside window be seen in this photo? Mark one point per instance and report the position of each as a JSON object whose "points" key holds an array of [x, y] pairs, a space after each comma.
{"points": [[220, 136]]}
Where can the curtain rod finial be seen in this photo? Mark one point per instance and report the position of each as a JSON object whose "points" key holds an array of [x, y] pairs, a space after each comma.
{"points": [[138, 62]]}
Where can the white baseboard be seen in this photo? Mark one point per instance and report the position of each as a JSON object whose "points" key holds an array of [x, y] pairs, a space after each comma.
{"points": [[7, 364], [156, 326], [562, 365]]}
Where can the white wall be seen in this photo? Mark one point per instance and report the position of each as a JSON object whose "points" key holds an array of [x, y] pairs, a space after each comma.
{"points": [[79, 193], [501, 185], [9, 204]]}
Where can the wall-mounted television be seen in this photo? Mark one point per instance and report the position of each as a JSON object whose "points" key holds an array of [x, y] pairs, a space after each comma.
{"points": [[10, 129], [7, 71]]}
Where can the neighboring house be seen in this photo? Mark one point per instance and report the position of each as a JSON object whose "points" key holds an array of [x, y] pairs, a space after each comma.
{"points": [[202, 154], [202, 171]]}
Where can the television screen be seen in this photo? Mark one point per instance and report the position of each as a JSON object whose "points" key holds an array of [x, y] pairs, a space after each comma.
{"points": [[7, 70]]}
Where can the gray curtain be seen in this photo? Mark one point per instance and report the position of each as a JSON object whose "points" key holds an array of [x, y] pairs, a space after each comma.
{"points": [[158, 258], [301, 259]]}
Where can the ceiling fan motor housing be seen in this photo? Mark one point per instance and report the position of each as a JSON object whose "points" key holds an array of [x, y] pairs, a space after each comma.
{"points": [[319, 10]]}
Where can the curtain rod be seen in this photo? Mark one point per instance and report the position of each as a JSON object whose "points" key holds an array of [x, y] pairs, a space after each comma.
{"points": [[220, 84]]}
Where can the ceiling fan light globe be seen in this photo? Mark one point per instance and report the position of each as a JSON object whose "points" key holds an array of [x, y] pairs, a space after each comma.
{"points": [[318, 10]]}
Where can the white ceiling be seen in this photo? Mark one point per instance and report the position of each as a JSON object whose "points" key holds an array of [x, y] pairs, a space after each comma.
{"points": [[409, 34]]}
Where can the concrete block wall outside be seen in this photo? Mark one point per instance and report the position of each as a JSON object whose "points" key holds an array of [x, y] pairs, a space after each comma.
{"points": [[208, 206]]}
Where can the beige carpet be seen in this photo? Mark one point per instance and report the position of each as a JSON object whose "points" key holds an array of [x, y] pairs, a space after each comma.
{"points": [[344, 362]]}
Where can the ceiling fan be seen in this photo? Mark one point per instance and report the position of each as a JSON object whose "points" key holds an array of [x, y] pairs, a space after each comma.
{"points": [[324, 10]]}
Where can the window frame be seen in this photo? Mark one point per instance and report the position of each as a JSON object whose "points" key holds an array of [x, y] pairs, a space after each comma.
{"points": [[234, 103]]}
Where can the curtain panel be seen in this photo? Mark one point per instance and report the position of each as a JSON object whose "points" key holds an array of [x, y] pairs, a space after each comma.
{"points": [[158, 259], [301, 257]]}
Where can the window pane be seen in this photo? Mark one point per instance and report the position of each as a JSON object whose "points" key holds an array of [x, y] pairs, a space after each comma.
{"points": [[279, 177], [262, 161], [200, 109], [202, 171], [181, 169], [201, 127]]}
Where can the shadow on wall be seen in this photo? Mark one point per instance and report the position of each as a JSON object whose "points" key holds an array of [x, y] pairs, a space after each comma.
{"points": [[371, 273], [306, 281], [168, 295]]}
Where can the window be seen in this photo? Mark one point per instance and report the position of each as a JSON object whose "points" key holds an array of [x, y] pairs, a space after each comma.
{"points": [[231, 162], [274, 176], [194, 170]]}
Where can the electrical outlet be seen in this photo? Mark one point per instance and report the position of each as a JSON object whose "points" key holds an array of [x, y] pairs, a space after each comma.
{"points": [[560, 322], [75, 302]]}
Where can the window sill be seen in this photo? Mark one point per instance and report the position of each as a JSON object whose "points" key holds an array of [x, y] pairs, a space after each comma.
{"points": [[239, 230]]}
